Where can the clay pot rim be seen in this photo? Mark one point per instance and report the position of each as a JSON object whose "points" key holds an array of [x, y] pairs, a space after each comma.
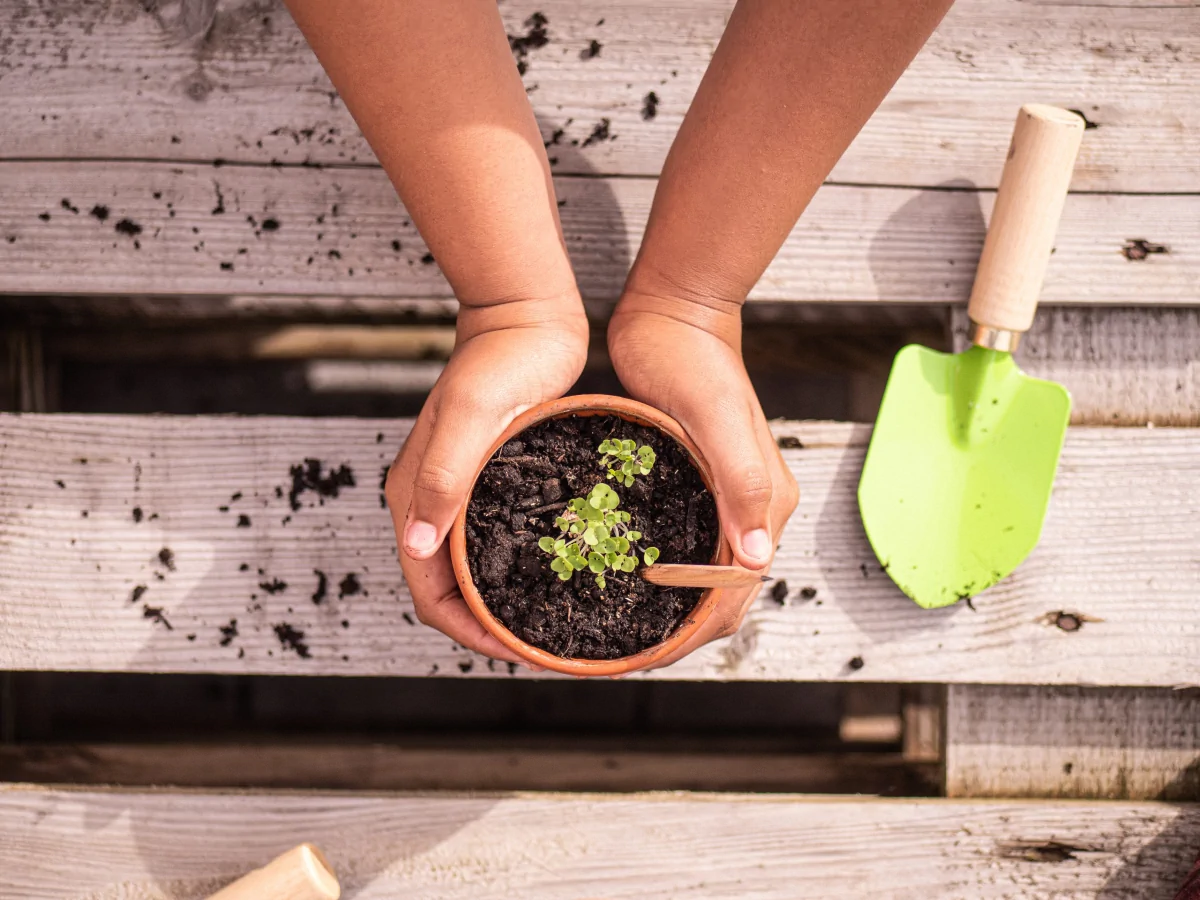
{"points": [[589, 404]]}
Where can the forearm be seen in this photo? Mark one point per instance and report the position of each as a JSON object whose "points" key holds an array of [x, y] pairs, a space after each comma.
{"points": [[433, 86], [789, 87]]}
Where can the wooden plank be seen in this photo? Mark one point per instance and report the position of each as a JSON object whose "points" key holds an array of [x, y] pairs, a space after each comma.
{"points": [[1119, 552], [1122, 366], [117, 81], [142, 845], [471, 763], [1117, 743], [335, 230]]}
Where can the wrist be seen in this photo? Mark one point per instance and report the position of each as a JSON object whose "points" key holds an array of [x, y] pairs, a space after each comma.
{"points": [[698, 303], [555, 317]]}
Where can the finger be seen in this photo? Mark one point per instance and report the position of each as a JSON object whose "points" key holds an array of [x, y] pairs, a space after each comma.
{"points": [[439, 604], [464, 427], [725, 428]]}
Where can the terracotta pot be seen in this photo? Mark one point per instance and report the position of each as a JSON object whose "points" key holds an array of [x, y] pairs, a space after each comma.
{"points": [[590, 405]]}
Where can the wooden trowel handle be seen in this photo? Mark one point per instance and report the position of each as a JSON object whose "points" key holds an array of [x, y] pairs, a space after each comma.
{"points": [[300, 874], [1025, 218]]}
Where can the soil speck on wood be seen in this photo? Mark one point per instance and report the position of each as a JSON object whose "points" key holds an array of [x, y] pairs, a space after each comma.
{"points": [[156, 614], [137, 514], [137, 593], [167, 557], [228, 632], [808, 593], [291, 638], [309, 476], [592, 50], [243, 521], [274, 586], [600, 133], [349, 586], [779, 592], [128, 227], [788, 442], [99, 212], [322, 590], [650, 106], [856, 663], [1137, 249], [510, 509]]}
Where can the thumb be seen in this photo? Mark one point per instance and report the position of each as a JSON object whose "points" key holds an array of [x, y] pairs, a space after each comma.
{"points": [[462, 432], [725, 429]]}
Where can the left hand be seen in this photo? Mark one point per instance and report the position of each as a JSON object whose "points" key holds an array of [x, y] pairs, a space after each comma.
{"points": [[683, 356]]}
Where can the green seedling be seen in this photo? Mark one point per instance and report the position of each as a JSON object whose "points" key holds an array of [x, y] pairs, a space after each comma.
{"points": [[625, 460], [595, 534]]}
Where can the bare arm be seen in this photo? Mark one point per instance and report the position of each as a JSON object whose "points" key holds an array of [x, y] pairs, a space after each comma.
{"points": [[789, 87], [433, 86]]}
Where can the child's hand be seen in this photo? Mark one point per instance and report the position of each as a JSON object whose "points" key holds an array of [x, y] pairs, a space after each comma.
{"points": [[509, 357], [684, 357]]}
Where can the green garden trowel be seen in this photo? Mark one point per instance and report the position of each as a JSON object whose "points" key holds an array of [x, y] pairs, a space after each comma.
{"points": [[962, 459]]}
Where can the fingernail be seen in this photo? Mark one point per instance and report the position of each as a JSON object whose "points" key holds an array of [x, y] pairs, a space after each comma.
{"points": [[756, 544], [420, 537]]}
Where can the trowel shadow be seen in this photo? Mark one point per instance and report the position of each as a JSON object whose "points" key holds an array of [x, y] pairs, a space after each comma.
{"points": [[853, 574], [899, 258]]}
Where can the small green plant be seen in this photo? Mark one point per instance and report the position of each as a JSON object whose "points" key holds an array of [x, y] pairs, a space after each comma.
{"points": [[625, 460], [594, 532]]}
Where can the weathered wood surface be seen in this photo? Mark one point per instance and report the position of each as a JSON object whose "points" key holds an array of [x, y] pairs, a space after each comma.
{"points": [[144, 845], [1122, 366], [113, 80], [470, 763], [332, 231], [1119, 553], [1119, 743]]}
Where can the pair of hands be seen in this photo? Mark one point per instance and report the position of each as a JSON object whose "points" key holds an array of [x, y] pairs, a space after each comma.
{"points": [[680, 355]]}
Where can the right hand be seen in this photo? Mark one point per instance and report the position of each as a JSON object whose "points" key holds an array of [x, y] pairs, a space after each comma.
{"points": [[508, 357]]}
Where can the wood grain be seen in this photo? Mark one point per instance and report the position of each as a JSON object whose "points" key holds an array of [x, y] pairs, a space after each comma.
{"points": [[338, 230], [1122, 366], [1116, 743], [143, 845], [112, 80], [1118, 554]]}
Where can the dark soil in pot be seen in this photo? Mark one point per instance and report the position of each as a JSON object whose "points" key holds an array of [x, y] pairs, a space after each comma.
{"points": [[526, 486]]}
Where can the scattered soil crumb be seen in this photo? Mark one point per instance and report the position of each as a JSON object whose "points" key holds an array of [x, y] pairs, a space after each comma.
{"points": [[137, 514], [600, 133], [155, 613], [243, 521], [808, 593], [60, 482], [650, 106], [291, 638], [535, 36], [274, 586], [349, 586], [779, 592], [166, 556], [137, 593], [1137, 249], [128, 227], [408, 618], [592, 50], [322, 590], [788, 442], [466, 665], [308, 476], [228, 632], [856, 663]]}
